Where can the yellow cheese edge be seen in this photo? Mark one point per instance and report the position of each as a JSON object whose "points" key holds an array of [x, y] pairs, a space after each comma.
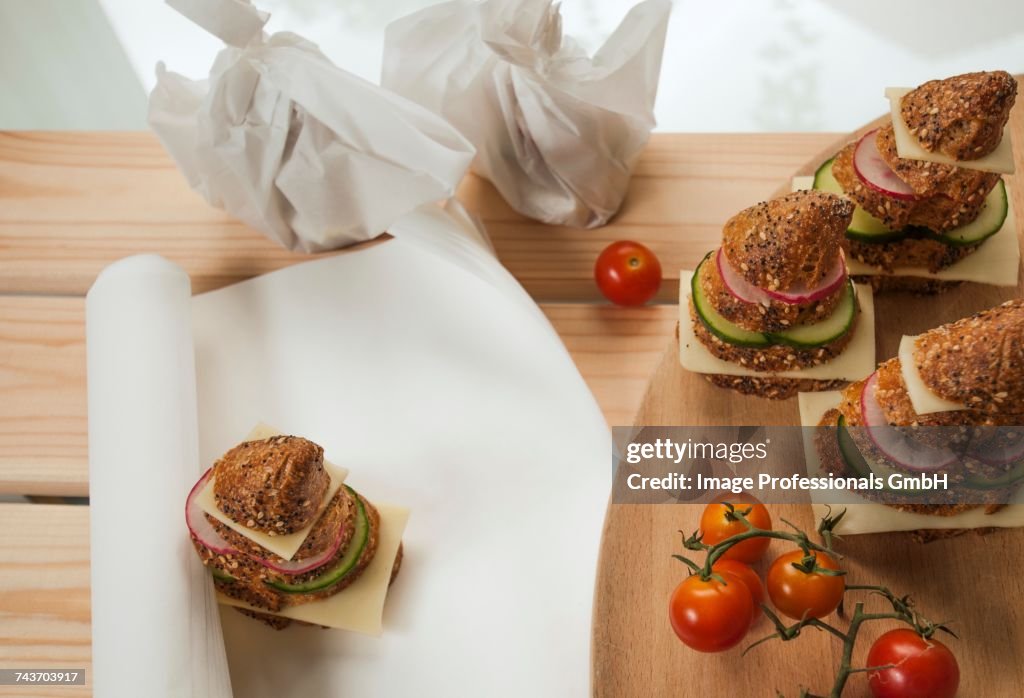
{"points": [[284, 546], [856, 361], [360, 606], [995, 262], [907, 146], [870, 517], [921, 397]]}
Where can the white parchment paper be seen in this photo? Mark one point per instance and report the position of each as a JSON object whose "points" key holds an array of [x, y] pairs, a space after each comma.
{"points": [[428, 372], [557, 131], [311, 155], [155, 626]]}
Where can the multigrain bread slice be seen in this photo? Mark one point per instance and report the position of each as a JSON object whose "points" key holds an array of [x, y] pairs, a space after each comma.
{"points": [[962, 116], [280, 622], [273, 485], [761, 317], [790, 242], [947, 196], [977, 361], [916, 285]]}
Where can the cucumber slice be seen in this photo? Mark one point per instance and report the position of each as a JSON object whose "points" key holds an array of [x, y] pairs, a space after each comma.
{"points": [[849, 451], [222, 576], [863, 467], [863, 226], [980, 482], [826, 331], [344, 566], [718, 325], [989, 221]]}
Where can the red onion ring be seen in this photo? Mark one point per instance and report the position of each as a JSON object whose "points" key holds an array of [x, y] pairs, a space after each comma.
{"points": [[203, 531]]}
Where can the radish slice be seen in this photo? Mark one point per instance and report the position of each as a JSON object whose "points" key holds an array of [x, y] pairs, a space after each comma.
{"points": [[876, 173], [897, 446], [747, 292], [200, 527], [736, 284], [829, 285]]}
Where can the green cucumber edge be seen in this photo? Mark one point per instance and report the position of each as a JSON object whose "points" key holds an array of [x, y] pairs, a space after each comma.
{"points": [[344, 566], [791, 337], [863, 226], [864, 467], [739, 337], [1012, 477], [997, 196]]}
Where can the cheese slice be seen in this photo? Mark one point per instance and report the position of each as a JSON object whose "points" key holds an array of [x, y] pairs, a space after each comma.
{"points": [[995, 262], [285, 546], [856, 361], [358, 607], [921, 396], [907, 146], [869, 517]]}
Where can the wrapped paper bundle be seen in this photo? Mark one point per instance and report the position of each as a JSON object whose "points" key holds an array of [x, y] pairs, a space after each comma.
{"points": [[313, 156], [556, 131]]}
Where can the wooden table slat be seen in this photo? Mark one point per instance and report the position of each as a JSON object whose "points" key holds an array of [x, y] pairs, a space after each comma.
{"points": [[43, 425], [44, 593], [71, 203]]}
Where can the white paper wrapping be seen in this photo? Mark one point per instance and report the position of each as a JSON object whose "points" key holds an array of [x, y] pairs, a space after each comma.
{"points": [[556, 131], [311, 155], [424, 368], [155, 626]]}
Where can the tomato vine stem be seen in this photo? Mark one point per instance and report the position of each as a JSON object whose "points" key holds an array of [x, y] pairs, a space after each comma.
{"points": [[902, 606]]}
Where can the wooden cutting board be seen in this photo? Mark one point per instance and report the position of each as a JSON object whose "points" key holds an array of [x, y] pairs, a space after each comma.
{"points": [[974, 581]]}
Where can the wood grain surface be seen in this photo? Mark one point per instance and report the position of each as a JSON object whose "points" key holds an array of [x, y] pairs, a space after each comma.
{"points": [[973, 581], [44, 593], [71, 203], [43, 446]]}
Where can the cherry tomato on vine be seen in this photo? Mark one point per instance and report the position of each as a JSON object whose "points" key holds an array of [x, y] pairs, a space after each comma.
{"points": [[749, 578], [922, 668], [796, 593], [627, 273], [715, 526], [710, 616]]}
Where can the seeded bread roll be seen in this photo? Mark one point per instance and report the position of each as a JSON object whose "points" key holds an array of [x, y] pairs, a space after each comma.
{"points": [[772, 388], [790, 242], [949, 196], [831, 459], [977, 361], [274, 485], [760, 317], [962, 116]]}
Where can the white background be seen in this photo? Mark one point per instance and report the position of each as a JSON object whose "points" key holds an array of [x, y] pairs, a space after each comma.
{"points": [[746, 65]]}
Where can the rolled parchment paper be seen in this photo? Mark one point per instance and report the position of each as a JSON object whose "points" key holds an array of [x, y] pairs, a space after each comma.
{"points": [[155, 625]]}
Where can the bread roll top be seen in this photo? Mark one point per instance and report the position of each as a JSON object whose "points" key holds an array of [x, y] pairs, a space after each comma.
{"points": [[962, 116], [977, 361], [274, 485], [788, 243]]}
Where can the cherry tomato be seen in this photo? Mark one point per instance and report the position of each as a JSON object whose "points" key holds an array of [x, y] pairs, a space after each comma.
{"points": [[710, 616], [748, 576], [795, 593], [627, 273], [922, 668], [715, 527]]}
